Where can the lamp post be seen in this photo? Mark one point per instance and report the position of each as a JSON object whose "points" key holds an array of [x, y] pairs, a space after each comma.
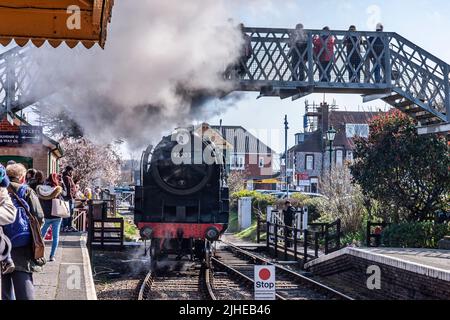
{"points": [[331, 135], [286, 128]]}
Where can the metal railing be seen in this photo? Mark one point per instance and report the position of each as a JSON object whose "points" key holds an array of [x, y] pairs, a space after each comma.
{"points": [[347, 62], [368, 63], [293, 242], [373, 233], [80, 221]]}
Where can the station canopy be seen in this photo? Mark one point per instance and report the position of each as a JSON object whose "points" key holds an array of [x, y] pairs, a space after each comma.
{"points": [[55, 21]]}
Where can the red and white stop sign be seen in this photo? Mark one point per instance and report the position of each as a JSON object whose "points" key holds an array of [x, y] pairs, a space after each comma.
{"points": [[264, 282]]}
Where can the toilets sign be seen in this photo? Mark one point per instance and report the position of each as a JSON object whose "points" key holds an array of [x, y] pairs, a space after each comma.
{"points": [[264, 282]]}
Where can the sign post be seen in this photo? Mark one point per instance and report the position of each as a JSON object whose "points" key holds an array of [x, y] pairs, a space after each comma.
{"points": [[265, 282]]}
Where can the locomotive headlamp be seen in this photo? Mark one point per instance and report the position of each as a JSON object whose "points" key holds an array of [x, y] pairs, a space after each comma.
{"points": [[146, 233], [212, 234]]}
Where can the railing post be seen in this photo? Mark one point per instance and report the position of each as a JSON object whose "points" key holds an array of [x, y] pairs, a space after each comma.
{"points": [[258, 222], [310, 59], [316, 244], [295, 244], [368, 234], [447, 91], [387, 61], [285, 243], [327, 230], [305, 246], [268, 235]]}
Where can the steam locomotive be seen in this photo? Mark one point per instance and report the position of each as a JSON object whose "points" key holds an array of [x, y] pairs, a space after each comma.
{"points": [[182, 205]]}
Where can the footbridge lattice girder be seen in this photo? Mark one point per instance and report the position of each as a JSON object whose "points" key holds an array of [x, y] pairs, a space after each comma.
{"points": [[286, 65]]}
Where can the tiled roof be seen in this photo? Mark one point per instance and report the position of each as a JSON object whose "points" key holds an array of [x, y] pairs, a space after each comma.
{"points": [[338, 119], [242, 140]]}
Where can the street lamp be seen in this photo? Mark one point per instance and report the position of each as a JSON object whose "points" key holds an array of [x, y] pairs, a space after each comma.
{"points": [[331, 135], [286, 128]]}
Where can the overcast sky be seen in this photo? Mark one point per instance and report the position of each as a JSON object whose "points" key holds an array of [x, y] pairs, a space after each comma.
{"points": [[424, 22]]}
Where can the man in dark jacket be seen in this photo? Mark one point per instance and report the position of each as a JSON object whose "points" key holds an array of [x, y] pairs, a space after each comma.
{"points": [[353, 46], [288, 218], [378, 55], [298, 52], [19, 284], [70, 196]]}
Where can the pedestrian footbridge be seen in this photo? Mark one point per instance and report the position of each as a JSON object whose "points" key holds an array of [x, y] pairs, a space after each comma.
{"points": [[376, 65]]}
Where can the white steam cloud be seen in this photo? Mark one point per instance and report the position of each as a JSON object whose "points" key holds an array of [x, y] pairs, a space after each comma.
{"points": [[131, 89]]}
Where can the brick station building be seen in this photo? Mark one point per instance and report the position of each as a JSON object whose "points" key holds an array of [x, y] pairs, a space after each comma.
{"points": [[27, 145]]}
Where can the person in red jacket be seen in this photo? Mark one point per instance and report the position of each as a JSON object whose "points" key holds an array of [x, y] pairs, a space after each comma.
{"points": [[324, 53]]}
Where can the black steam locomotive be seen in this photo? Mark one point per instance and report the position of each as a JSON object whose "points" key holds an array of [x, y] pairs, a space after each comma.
{"points": [[183, 203]]}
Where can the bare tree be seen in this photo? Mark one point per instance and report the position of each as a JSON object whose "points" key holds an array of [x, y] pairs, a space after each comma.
{"points": [[91, 162], [236, 181], [345, 199]]}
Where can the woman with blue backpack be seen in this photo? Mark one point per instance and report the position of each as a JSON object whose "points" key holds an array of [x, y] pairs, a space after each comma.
{"points": [[19, 283], [7, 216]]}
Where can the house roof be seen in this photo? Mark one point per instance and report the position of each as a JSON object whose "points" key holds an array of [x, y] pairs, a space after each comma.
{"points": [[242, 140], [338, 119], [313, 142]]}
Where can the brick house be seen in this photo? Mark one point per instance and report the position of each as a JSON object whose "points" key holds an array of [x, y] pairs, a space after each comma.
{"points": [[310, 156], [247, 154], [37, 151]]}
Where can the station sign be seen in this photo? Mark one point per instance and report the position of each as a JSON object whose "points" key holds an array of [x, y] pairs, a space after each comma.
{"points": [[25, 135], [30, 135], [264, 282]]}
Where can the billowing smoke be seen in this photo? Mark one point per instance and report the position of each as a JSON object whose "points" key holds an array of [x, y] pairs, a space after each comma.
{"points": [[161, 61]]}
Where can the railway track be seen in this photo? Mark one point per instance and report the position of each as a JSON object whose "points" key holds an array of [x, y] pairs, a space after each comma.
{"points": [[231, 278], [189, 283], [290, 285]]}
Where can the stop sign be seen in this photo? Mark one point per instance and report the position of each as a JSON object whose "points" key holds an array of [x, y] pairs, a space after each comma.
{"points": [[265, 282]]}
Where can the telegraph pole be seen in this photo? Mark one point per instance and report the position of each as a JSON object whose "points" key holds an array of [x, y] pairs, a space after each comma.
{"points": [[286, 128]]}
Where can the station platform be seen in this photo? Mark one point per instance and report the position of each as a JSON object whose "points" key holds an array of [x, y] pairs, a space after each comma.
{"points": [[404, 273], [69, 277]]}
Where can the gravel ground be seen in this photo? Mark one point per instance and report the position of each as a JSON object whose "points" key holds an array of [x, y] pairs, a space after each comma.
{"points": [[118, 274]]}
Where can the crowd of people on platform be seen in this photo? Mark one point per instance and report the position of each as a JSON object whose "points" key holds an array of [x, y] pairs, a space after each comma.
{"points": [[323, 48], [27, 197]]}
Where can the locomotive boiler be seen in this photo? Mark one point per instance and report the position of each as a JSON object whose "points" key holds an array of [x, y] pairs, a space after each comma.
{"points": [[182, 205]]}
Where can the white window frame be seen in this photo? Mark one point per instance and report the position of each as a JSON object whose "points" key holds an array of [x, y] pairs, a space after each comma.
{"points": [[309, 156], [339, 157], [237, 162], [357, 129]]}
